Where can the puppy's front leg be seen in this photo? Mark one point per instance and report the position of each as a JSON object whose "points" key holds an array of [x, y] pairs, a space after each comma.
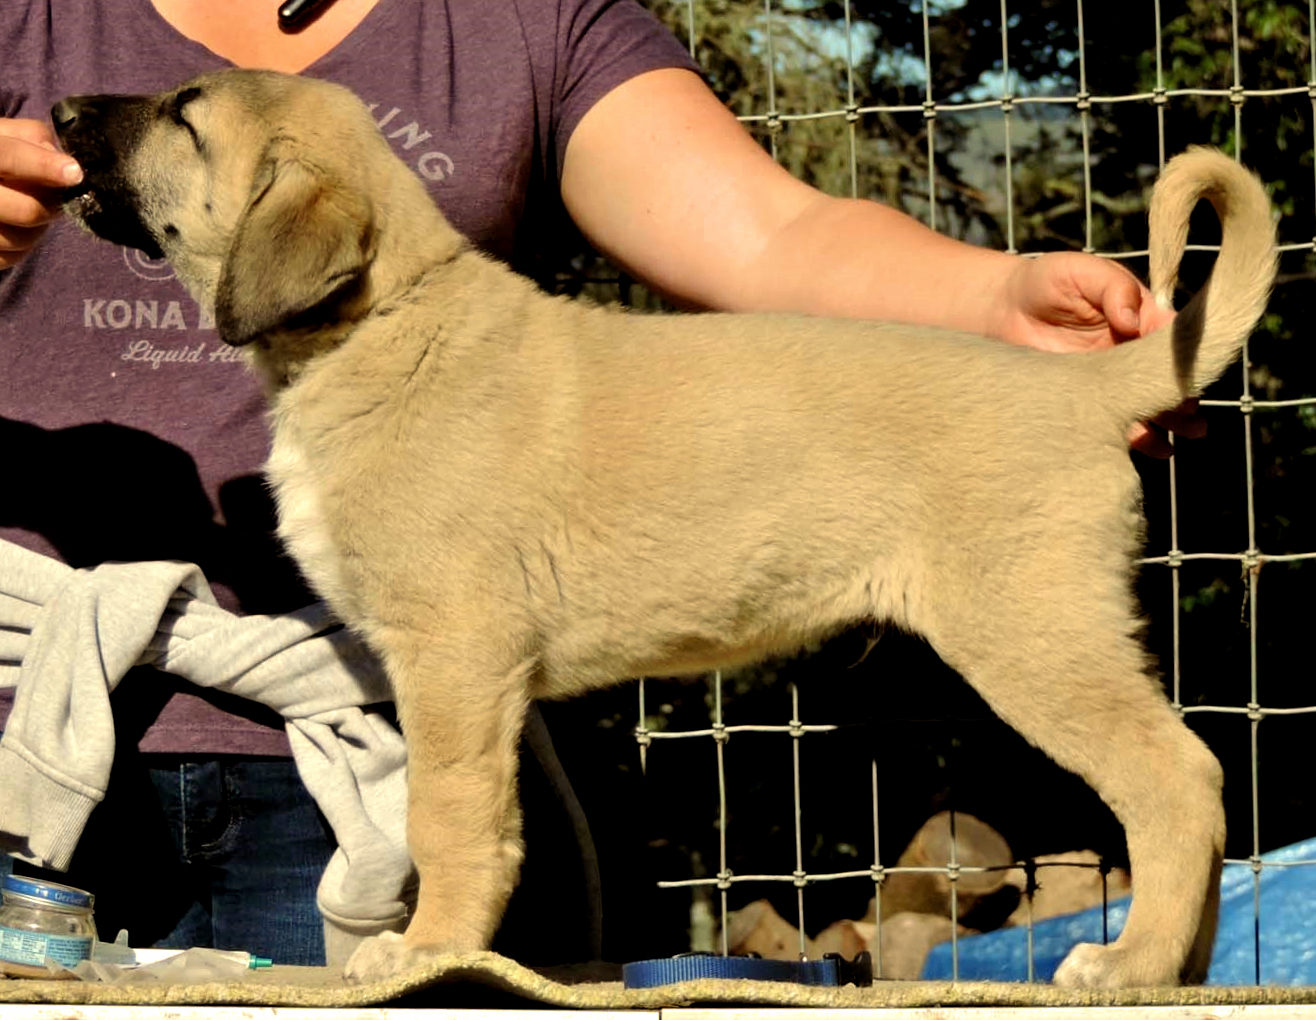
{"points": [[461, 707]]}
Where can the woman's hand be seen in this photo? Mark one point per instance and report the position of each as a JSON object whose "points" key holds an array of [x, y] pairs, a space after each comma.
{"points": [[1070, 303], [32, 173]]}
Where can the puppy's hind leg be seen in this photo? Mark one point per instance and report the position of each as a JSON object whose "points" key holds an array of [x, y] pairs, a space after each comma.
{"points": [[1065, 672], [461, 706]]}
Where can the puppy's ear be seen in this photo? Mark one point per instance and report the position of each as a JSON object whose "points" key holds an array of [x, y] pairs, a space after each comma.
{"points": [[302, 238]]}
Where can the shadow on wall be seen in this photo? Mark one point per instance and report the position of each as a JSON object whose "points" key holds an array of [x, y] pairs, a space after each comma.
{"points": [[104, 492]]}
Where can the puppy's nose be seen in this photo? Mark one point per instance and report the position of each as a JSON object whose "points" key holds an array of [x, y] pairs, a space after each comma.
{"points": [[66, 112]]}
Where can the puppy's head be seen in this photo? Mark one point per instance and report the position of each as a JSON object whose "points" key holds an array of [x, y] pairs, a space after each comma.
{"points": [[258, 187]]}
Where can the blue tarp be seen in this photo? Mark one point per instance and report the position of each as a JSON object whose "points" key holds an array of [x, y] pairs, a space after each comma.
{"points": [[1276, 914]]}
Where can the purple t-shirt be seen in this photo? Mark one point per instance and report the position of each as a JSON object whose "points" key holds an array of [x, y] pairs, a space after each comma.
{"points": [[130, 430]]}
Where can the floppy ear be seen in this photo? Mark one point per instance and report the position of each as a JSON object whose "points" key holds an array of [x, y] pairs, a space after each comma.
{"points": [[302, 238]]}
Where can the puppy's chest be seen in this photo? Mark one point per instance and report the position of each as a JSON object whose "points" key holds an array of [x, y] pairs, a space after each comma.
{"points": [[303, 525]]}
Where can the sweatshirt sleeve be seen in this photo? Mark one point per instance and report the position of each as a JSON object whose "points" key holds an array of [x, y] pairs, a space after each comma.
{"points": [[78, 633]]}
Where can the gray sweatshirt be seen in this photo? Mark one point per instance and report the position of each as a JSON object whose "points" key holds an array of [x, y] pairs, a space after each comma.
{"points": [[67, 637]]}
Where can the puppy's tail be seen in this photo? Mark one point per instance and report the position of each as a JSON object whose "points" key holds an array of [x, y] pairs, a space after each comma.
{"points": [[1155, 373]]}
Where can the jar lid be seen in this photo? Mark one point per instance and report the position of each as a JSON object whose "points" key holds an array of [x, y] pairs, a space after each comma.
{"points": [[51, 892]]}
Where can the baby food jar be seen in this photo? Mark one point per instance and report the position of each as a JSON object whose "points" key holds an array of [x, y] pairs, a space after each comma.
{"points": [[40, 920]]}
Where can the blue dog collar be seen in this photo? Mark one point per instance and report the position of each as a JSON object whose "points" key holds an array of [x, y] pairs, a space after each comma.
{"points": [[831, 971]]}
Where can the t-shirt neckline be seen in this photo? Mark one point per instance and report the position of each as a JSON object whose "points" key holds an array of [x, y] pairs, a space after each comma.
{"points": [[165, 34]]}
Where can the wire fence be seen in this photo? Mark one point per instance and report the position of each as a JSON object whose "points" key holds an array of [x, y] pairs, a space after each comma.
{"points": [[1235, 398]]}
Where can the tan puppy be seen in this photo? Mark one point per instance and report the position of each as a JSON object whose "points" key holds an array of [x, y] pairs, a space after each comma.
{"points": [[512, 496]]}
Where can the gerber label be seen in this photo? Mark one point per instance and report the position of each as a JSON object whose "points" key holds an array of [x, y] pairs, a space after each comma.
{"points": [[33, 947]]}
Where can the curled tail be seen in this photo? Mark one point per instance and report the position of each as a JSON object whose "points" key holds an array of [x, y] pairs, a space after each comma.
{"points": [[1155, 373]]}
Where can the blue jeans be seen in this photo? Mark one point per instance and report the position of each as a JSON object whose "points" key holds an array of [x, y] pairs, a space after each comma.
{"points": [[217, 852], [228, 852]]}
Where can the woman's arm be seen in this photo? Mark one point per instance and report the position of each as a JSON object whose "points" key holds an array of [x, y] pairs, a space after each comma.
{"points": [[662, 178]]}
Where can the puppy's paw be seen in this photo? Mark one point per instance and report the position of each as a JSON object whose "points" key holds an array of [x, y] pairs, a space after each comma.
{"points": [[384, 956], [1115, 966]]}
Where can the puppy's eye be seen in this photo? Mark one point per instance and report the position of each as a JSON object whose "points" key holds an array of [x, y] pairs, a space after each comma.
{"points": [[176, 112]]}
